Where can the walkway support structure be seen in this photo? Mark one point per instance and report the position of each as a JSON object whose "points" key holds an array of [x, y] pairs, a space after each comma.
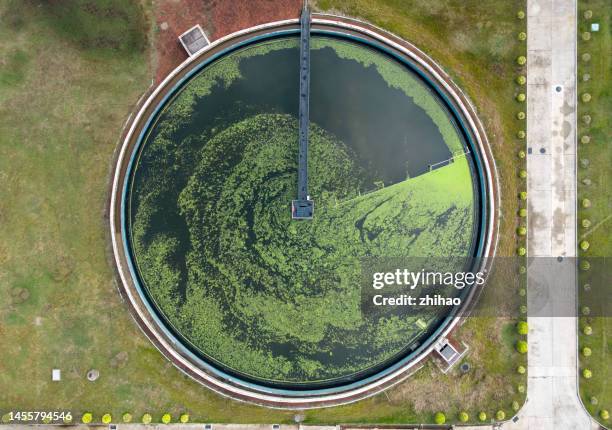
{"points": [[303, 207]]}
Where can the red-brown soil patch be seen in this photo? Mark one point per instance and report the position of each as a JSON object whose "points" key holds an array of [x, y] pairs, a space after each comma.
{"points": [[217, 18]]}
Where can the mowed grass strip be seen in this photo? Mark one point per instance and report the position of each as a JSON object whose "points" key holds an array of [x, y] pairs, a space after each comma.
{"points": [[595, 184]]}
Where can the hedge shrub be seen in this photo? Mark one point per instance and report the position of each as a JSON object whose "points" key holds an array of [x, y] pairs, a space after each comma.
{"points": [[516, 406], [522, 328], [464, 417], [482, 416], [439, 418], [585, 139], [522, 174], [586, 203], [184, 418], [521, 347], [521, 231], [584, 245], [585, 97], [520, 388], [604, 414], [523, 195], [587, 374], [521, 154], [107, 418], [521, 60], [586, 351], [521, 115], [586, 35], [587, 330], [522, 36], [586, 223], [147, 418], [87, 418], [585, 265], [521, 134], [520, 14], [127, 417], [522, 212], [521, 97], [166, 418], [521, 370], [521, 80], [521, 251], [500, 415]]}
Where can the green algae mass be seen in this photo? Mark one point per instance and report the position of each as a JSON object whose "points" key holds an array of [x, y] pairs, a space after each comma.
{"points": [[279, 299]]}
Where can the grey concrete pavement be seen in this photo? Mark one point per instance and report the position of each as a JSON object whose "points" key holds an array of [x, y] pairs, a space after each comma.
{"points": [[552, 399]]}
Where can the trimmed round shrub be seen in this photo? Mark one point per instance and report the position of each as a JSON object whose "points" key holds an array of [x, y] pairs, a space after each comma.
{"points": [[586, 77], [500, 415], [521, 60], [585, 97], [522, 292], [584, 245], [593, 400], [439, 418], [107, 418], [521, 251], [604, 414], [520, 14], [521, 370], [585, 139], [184, 418], [521, 347], [521, 231], [586, 203], [522, 327], [166, 418], [521, 97], [588, 14], [147, 418], [585, 265], [482, 416], [587, 374], [522, 36], [87, 418], [523, 195], [520, 388], [587, 330], [521, 115], [521, 134], [586, 223], [586, 119], [522, 212], [6, 418], [127, 417], [516, 406], [586, 57], [523, 309], [522, 173], [464, 417], [586, 310], [586, 351], [521, 154], [586, 35], [521, 80], [522, 270]]}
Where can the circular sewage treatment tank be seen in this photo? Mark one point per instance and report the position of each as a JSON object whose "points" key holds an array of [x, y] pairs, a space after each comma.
{"points": [[268, 301]]}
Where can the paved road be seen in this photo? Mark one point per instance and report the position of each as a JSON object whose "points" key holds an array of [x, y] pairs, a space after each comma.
{"points": [[552, 400]]}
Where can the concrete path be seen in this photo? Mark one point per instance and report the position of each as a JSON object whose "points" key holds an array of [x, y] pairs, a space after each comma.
{"points": [[552, 399]]}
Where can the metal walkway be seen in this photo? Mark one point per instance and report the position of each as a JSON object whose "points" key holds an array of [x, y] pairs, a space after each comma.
{"points": [[303, 207]]}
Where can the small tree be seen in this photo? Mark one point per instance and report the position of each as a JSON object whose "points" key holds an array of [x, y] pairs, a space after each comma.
{"points": [[439, 418]]}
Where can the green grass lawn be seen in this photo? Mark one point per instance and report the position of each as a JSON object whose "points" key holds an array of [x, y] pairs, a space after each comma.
{"points": [[65, 92], [595, 184]]}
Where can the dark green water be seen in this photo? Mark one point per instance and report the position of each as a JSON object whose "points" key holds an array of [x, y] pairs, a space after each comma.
{"points": [[253, 291]]}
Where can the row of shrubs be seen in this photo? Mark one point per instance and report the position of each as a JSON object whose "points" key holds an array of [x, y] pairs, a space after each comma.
{"points": [[464, 417], [585, 203], [147, 418]]}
